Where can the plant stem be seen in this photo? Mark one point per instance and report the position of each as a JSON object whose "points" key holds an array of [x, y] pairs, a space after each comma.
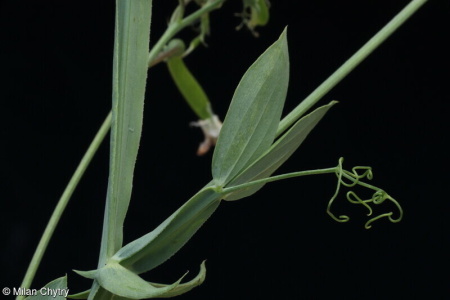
{"points": [[350, 64], [278, 177], [176, 27], [62, 203], [85, 161], [306, 104]]}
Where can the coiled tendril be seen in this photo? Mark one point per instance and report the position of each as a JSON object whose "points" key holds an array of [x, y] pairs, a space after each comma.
{"points": [[354, 178]]}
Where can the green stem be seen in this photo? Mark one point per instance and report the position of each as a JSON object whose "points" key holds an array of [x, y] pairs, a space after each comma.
{"points": [[349, 65], [361, 183], [62, 203], [84, 163], [306, 104], [278, 177], [176, 27]]}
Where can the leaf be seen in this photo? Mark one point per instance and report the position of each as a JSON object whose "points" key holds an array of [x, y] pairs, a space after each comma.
{"points": [[99, 293], [54, 290], [280, 151], [189, 87], [122, 282], [80, 295], [185, 287], [131, 49], [157, 246], [87, 274], [255, 110]]}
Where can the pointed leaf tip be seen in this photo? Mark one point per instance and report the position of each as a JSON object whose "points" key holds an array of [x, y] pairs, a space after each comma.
{"points": [[254, 114], [122, 282], [186, 287], [87, 274]]}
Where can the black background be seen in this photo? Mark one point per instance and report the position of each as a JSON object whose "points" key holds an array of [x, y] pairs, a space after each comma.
{"points": [[393, 115]]}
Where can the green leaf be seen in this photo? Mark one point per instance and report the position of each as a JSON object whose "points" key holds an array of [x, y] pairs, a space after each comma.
{"points": [[99, 293], [80, 295], [255, 110], [122, 282], [54, 290], [131, 49], [280, 151], [157, 246], [87, 274], [189, 87], [185, 287]]}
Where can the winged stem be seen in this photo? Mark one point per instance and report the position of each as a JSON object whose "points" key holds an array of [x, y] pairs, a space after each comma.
{"points": [[290, 119], [90, 152]]}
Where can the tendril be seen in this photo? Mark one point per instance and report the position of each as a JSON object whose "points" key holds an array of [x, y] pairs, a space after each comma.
{"points": [[357, 200], [339, 172], [354, 178], [378, 198]]}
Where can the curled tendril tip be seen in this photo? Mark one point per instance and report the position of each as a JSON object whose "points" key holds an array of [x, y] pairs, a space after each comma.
{"points": [[354, 178]]}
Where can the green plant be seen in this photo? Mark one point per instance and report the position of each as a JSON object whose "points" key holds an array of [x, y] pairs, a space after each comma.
{"points": [[241, 164]]}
